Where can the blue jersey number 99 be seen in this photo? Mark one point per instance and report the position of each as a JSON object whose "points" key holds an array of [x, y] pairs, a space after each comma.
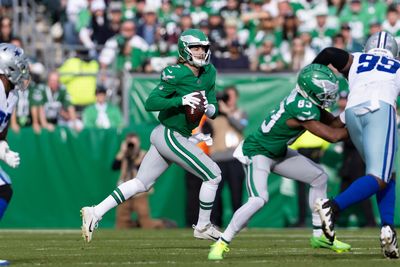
{"points": [[370, 62]]}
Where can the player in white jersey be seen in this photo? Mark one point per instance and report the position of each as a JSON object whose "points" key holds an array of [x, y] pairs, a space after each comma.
{"points": [[370, 116], [14, 75]]}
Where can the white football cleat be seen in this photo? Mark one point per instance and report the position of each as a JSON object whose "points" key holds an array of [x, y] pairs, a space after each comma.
{"points": [[209, 232], [389, 242], [89, 223], [324, 209]]}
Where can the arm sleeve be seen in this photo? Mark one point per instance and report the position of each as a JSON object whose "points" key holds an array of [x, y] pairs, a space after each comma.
{"points": [[338, 58], [162, 97]]}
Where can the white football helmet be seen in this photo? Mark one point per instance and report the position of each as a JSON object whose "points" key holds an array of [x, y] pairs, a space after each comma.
{"points": [[14, 65], [382, 43]]}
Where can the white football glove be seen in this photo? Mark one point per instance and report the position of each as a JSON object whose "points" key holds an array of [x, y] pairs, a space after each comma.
{"points": [[10, 157], [190, 100]]}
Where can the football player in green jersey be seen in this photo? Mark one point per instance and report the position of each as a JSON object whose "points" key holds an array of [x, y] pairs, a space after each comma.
{"points": [[171, 141], [266, 150]]}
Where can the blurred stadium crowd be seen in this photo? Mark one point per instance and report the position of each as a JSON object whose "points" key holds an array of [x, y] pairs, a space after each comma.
{"points": [[83, 43]]}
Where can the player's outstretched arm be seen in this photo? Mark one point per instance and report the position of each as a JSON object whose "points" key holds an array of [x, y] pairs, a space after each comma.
{"points": [[338, 58], [320, 129]]}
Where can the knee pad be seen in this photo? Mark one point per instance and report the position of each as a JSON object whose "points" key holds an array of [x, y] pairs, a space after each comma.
{"points": [[257, 201], [321, 179]]}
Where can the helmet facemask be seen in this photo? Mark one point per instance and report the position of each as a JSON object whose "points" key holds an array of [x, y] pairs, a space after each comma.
{"points": [[199, 59], [329, 96]]}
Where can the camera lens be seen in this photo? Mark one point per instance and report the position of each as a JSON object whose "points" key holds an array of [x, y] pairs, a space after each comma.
{"points": [[131, 145]]}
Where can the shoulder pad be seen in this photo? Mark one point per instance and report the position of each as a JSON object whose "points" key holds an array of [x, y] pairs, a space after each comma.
{"points": [[304, 109]]}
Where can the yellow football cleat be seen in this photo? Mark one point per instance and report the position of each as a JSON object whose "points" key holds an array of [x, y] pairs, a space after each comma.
{"points": [[217, 250]]}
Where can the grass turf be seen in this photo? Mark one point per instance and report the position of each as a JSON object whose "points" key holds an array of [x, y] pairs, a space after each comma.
{"points": [[255, 247]]}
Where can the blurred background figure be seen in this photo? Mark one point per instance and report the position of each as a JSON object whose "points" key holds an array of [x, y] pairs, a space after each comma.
{"points": [[54, 105], [102, 114], [79, 75], [128, 160], [227, 129]]}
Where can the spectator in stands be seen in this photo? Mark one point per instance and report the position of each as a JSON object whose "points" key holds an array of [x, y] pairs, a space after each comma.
{"points": [[230, 36], [352, 45], [216, 29], [54, 105], [79, 74], [300, 55], [339, 42], [165, 12], [22, 114], [185, 22], [269, 58], [127, 49], [115, 16], [199, 11], [266, 27], [231, 10], [358, 20], [271, 6], [289, 31], [6, 33], [284, 9], [335, 7], [129, 10], [148, 26], [72, 10], [102, 114], [128, 160], [227, 131], [234, 58], [94, 28], [323, 32], [160, 54], [392, 23], [374, 27]]}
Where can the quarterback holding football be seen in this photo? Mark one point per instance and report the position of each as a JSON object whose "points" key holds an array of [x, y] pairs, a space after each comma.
{"points": [[185, 92]]}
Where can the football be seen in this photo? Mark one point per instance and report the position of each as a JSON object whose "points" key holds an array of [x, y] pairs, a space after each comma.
{"points": [[194, 115]]}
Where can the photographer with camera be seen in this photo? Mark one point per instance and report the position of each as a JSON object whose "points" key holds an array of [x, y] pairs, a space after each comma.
{"points": [[227, 134], [128, 160]]}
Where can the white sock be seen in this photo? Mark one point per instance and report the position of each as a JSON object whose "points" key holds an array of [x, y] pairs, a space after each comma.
{"points": [[317, 190], [120, 194], [242, 217], [206, 197]]}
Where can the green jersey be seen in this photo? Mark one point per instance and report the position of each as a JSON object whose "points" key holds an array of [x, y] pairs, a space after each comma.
{"points": [[274, 135], [177, 81]]}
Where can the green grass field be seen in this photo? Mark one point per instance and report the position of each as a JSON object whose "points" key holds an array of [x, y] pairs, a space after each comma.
{"points": [[255, 247]]}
